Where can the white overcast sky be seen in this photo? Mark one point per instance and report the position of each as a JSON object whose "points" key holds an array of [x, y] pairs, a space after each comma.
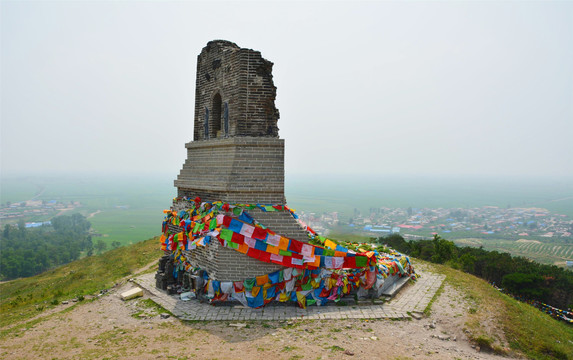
{"points": [[441, 88]]}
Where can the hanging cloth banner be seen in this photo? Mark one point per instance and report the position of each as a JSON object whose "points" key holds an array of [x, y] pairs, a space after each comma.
{"points": [[254, 240]]}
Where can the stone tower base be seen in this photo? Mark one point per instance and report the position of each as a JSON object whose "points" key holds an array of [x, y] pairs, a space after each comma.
{"points": [[239, 170]]}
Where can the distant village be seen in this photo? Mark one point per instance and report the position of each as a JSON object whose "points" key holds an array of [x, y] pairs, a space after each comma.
{"points": [[411, 223], [35, 212], [414, 223]]}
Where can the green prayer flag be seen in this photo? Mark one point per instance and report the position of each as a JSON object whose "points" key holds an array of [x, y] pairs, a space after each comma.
{"points": [[285, 253], [328, 252], [249, 283], [361, 261], [307, 286], [226, 234]]}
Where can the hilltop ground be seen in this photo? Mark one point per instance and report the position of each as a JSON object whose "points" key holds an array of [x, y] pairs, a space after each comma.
{"points": [[480, 319], [110, 328]]}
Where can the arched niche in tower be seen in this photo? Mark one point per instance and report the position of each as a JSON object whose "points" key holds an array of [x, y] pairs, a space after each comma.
{"points": [[235, 92], [216, 111]]}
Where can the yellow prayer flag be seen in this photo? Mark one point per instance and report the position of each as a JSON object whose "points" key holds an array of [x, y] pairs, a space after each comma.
{"points": [[301, 299], [272, 249], [330, 244], [263, 279], [316, 262], [283, 243], [243, 248]]}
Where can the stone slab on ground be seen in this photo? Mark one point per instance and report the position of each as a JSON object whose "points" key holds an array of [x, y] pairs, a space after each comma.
{"points": [[132, 293], [393, 290], [413, 298]]}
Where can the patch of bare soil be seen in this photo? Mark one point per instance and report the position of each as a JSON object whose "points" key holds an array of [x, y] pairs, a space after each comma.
{"points": [[528, 241], [108, 327]]}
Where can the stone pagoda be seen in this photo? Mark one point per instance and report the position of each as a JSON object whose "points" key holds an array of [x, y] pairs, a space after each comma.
{"points": [[236, 155]]}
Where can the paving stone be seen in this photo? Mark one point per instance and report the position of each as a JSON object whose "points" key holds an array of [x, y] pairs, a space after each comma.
{"points": [[414, 298]]}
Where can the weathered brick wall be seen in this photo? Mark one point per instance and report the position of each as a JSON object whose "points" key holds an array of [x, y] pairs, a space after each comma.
{"points": [[244, 81], [226, 264], [280, 222], [236, 170]]}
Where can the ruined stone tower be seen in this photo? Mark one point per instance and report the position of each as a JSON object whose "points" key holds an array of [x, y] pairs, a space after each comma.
{"points": [[236, 156]]}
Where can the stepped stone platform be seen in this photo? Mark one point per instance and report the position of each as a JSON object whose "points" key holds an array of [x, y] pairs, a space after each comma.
{"points": [[412, 299], [394, 286]]}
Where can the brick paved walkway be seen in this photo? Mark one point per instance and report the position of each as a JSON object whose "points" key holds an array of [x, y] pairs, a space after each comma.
{"points": [[412, 298]]}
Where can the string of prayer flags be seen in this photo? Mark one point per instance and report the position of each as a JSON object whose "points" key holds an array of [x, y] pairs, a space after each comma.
{"points": [[313, 274]]}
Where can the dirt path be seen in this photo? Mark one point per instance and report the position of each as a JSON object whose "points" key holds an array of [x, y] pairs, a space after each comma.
{"points": [[91, 215], [108, 327]]}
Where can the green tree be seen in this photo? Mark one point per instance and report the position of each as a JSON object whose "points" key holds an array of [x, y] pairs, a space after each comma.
{"points": [[6, 232], [467, 262], [444, 250], [100, 246], [26, 252], [528, 285]]}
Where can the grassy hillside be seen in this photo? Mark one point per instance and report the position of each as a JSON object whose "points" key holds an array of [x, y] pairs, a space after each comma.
{"points": [[23, 299], [524, 328]]}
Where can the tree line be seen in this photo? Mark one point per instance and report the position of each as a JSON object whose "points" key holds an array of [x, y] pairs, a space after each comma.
{"points": [[517, 275], [30, 251]]}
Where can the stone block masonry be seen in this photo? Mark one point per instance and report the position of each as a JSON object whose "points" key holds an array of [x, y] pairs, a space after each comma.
{"points": [[241, 170]]}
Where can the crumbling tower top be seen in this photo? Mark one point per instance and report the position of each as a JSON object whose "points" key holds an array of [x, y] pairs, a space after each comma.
{"points": [[234, 93], [236, 155]]}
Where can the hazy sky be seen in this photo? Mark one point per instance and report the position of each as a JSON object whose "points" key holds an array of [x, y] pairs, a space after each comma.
{"points": [[363, 88]]}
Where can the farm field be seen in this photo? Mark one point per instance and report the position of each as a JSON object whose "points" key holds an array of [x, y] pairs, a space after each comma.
{"points": [[542, 252], [127, 210]]}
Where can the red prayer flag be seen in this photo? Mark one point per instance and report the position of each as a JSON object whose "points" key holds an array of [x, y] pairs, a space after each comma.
{"points": [[238, 238], [349, 262], [254, 253], [265, 256], [295, 246], [259, 233]]}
